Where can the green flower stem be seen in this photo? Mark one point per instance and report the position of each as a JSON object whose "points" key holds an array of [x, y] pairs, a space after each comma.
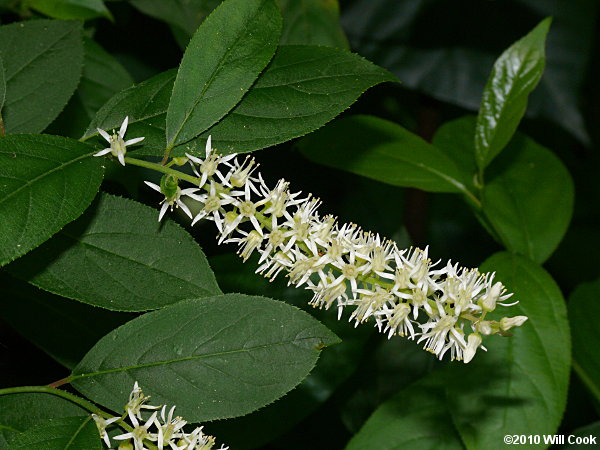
{"points": [[163, 169], [59, 393]]}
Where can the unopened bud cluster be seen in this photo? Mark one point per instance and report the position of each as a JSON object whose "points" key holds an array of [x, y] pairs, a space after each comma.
{"points": [[401, 290], [161, 428]]}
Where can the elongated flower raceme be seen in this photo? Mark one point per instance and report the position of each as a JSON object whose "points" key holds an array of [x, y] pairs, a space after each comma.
{"points": [[442, 306]]}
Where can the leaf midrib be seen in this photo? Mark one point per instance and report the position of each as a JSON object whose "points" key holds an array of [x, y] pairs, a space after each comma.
{"points": [[43, 175], [190, 358]]}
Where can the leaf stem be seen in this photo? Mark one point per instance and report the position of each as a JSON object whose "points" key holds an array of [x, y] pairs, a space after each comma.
{"points": [[60, 382], [163, 169], [59, 393]]}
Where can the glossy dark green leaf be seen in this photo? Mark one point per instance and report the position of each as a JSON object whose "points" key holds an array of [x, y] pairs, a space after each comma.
{"points": [[584, 305], [223, 59], [64, 329], [218, 357], [20, 412], [45, 183], [68, 433], [446, 49], [528, 199], [519, 386], [42, 62], [119, 257], [515, 74], [314, 22], [384, 151], [146, 106], [70, 9]]}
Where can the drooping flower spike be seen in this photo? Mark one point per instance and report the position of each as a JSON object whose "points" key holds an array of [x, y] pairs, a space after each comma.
{"points": [[118, 144], [401, 290]]}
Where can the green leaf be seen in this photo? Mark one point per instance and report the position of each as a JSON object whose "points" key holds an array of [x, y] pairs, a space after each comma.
{"points": [[218, 357], [68, 433], [314, 22], [383, 151], [584, 304], [103, 76], [416, 418], [70, 9], [119, 257], [146, 105], [529, 219], [223, 59], [65, 329], [455, 139], [42, 62], [519, 386], [515, 74], [303, 88], [20, 412], [45, 183]]}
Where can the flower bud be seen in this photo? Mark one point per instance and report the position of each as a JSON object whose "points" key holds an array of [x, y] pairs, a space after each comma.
{"points": [[473, 343], [508, 322]]}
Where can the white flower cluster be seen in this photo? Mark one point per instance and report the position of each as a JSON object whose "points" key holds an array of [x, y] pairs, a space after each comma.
{"points": [[401, 290], [162, 429]]}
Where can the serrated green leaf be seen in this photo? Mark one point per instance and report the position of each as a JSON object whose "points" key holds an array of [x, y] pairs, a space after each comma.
{"points": [[20, 412], [64, 329], [223, 59], [383, 151], [217, 357], [146, 105], [68, 433], [314, 22], [42, 62], [515, 74], [302, 89], [45, 183], [70, 9], [584, 305], [119, 257], [528, 199]]}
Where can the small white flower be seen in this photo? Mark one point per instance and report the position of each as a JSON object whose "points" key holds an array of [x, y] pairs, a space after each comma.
{"points": [[209, 166], [118, 144], [175, 200], [140, 432], [136, 402], [102, 424]]}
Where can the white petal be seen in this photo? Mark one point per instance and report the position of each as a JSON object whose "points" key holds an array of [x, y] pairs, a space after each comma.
{"points": [[153, 186], [123, 128], [103, 152], [121, 158], [163, 210], [194, 159], [134, 141], [104, 134], [208, 146], [185, 209]]}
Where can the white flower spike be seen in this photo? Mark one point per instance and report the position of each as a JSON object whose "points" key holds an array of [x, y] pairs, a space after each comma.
{"points": [[118, 144], [403, 291]]}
